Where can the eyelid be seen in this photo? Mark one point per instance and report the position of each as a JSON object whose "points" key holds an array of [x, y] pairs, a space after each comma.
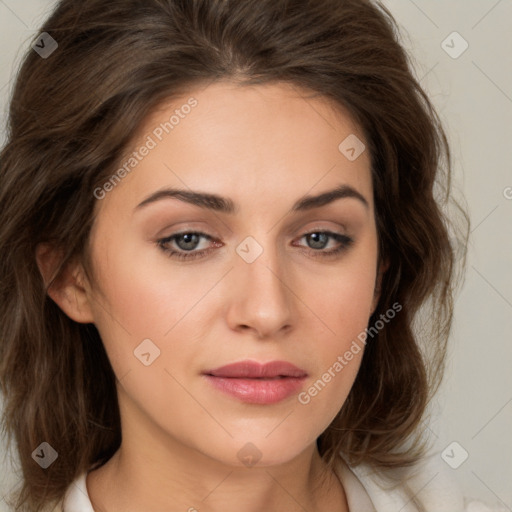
{"points": [[192, 231], [345, 242]]}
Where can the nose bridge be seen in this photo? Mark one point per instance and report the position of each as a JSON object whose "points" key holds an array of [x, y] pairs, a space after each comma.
{"points": [[261, 298]]}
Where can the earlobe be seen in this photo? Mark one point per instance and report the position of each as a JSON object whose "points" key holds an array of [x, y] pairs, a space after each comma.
{"points": [[68, 289]]}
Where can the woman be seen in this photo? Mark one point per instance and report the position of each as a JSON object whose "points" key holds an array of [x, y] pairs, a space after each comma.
{"points": [[219, 223]]}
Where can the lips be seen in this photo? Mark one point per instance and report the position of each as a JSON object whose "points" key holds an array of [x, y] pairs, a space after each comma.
{"points": [[253, 370], [256, 383]]}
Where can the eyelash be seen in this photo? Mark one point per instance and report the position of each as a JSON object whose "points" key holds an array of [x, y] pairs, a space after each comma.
{"points": [[345, 243]]}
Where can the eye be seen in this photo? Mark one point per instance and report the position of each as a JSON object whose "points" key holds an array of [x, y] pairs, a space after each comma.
{"points": [[318, 240], [187, 243]]}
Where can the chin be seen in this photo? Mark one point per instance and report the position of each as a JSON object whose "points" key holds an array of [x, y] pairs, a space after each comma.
{"points": [[261, 451]]}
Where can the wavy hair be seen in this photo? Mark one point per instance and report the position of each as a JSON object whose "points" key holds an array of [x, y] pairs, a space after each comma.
{"points": [[74, 113]]}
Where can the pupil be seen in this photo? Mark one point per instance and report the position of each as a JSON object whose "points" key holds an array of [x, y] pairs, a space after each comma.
{"points": [[190, 241], [318, 240]]}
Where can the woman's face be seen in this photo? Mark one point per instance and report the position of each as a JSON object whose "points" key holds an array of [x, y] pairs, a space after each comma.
{"points": [[262, 283]]}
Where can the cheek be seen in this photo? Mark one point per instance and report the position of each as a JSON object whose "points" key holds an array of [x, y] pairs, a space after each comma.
{"points": [[140, 285], [143, 301], [343, 305], [342, 299], [338, 358], [346, 298], [346, 312]]}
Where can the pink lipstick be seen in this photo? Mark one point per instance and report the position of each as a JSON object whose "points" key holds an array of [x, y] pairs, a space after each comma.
{"points": [[257, 383]]}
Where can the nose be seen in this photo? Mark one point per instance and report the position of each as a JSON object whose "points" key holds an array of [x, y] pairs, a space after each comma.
{"points": [[261, 297]]}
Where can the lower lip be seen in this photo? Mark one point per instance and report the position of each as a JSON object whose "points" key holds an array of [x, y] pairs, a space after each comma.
{"points": [[258, 391]]}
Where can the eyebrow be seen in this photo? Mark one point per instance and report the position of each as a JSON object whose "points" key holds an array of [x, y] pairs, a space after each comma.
{"points": [[226, 205]]}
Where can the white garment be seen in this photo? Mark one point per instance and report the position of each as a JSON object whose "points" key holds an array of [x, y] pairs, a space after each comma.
{"points": [[427, 488]]}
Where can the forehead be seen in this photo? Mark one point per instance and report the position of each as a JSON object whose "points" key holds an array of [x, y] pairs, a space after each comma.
{"points": [[260, 141]]}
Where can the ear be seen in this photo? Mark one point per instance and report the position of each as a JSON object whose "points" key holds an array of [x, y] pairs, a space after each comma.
{"points": [[69, 290], [383, 266]]}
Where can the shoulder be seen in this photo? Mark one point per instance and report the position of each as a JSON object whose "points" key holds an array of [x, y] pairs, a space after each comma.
{"points": [[426, 487]]}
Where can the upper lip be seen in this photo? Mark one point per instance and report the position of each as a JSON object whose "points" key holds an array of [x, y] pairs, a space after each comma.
{"points": [[255, 370]]}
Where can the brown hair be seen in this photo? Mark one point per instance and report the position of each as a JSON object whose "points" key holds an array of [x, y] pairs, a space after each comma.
{"points": [[73, 114]]}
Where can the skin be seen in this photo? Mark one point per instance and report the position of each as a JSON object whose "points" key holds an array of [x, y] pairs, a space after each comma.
{"points": [[264, 147]]}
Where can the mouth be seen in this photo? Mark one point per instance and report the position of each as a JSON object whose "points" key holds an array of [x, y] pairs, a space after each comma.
{"points": [[257, 383]]}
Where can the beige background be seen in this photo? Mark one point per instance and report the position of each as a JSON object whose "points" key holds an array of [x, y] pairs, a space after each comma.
{"points": [[473, 94]]}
